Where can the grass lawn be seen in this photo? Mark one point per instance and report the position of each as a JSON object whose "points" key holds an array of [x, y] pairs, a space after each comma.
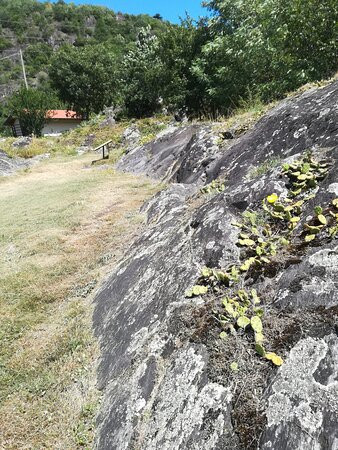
{"points": [[63, 225]]}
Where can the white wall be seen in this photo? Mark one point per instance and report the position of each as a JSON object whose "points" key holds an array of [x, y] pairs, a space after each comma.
{"points": [[55, 127]]}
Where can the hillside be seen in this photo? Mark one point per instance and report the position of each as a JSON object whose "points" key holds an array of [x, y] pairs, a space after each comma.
{"points": [[39, 28], [242, 52], [181, 293], [219, 293]]}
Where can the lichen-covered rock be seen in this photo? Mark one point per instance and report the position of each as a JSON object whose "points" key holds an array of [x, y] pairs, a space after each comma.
{"points": [[165, 373], [130, 137], [303, 399], [311, 283], [109, 116], [10, 165], [87, 144], [183, 155], [295, 125], [22, 141], [197, 417]]}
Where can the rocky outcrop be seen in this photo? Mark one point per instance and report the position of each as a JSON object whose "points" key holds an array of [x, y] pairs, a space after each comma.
{"points": [[10, 165], [168, 380], [131, 137], [109, 116], [184, 155], [87, 144], [23, 141]]}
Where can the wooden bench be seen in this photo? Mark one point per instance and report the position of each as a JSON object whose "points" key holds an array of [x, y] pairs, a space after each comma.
{"points": [[105, 149]]}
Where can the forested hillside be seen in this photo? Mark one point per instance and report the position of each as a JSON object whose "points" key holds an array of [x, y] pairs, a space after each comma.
{"points": [[88, 57], [42, 28]]}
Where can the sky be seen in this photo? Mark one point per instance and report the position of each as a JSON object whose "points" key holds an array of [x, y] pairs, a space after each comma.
{"points": [[169, 9]]}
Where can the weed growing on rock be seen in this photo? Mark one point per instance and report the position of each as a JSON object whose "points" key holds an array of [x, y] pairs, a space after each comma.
{"points": [[304, 174], [261, 241], [264, 168], [214, 187], [322, 221]]}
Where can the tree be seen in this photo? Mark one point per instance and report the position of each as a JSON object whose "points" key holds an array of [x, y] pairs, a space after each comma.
{"points": [[178, 48], [84, 77], [140, 76], [266, 48], [31, 106]]}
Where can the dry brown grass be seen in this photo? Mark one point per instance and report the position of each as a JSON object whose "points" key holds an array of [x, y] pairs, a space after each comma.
{"points": [[63, 226]]}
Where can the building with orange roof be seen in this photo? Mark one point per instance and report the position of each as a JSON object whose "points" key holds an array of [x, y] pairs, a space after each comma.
{"points": [[57, 122]]}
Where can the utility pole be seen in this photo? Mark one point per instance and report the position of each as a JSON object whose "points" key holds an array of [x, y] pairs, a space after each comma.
{"points": [[23, 69], [22, 64]]}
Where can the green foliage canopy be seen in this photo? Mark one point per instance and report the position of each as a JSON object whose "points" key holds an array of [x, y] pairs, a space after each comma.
{"points": [[84, 77], [140, 76], [266, 48], [252, 49], [30, 106]]}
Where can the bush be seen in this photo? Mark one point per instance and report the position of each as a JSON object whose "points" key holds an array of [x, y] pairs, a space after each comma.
{"points": [[84, 77], [30, 106]]}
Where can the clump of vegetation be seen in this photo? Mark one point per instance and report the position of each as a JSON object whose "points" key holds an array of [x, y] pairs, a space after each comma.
{"points": [[262, 237], [94, 84], [150, 127], [31, 107], [264, 168], [305, 174], [215, 187], [189, 71], [323, 221]]}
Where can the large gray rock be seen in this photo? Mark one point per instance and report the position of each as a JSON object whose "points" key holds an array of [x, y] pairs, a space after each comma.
{"points": [[131, 137], [109, 117], [164, 372], [87, 144], [183, 155], [302, 406], [23, 141], [10, 165]]}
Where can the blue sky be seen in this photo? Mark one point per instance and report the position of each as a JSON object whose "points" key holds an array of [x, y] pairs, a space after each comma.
{"points": [[169, 9]]}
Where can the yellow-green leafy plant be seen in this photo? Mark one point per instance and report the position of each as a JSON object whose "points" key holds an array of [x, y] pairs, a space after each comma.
{"points": [[304, 174], [321, 221], [242, 311], [262, 235], [215, 187]]}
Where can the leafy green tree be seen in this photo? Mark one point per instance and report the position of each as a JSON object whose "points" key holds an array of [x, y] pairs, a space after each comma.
{"points": [[158, 16], [179, 46], [266, 48], [84, 77], [31, 106], [140, 76], [37, 56]]}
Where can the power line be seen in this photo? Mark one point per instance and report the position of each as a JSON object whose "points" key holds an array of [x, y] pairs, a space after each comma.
{"points": [[23, 69], [22, 64], [9, 56]]}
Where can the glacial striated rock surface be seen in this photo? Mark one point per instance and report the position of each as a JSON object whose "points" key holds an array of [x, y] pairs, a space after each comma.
{"points": [[165, 374]]}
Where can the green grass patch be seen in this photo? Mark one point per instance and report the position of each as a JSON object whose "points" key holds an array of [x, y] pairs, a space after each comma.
{"points": [[57, 221], [264, 168]]}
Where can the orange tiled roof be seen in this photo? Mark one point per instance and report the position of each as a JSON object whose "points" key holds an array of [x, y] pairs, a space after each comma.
{"points": [[62, 114]]}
